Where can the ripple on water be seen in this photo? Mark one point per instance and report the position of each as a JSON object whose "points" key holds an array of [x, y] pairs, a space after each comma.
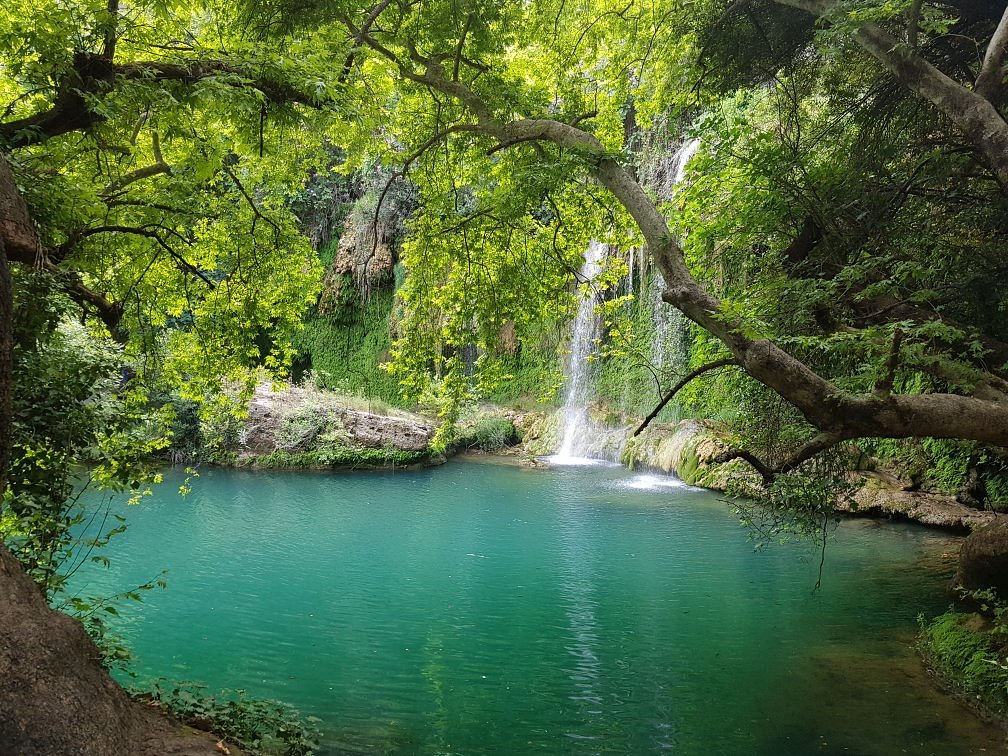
{"points": [[478, 609]]}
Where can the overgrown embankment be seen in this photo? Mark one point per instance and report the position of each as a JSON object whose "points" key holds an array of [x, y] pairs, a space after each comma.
{"points": [[305, 427]]}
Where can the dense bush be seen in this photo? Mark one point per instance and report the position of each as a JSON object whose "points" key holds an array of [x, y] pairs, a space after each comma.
{"points": [[489, 434]]}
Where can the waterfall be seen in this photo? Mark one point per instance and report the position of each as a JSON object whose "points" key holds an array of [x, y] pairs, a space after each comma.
{"points": [[581, 441], [670, 344], [682, 157], [577, 427], [670, 347]]}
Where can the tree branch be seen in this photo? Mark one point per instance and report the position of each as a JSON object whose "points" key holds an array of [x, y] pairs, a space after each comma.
{"points": [[139, 174], [913, 23], [248, 198], [110, 313], [767, 473], [147, 233], [681, 385], [885, 383], [992, 74], [975, 115], [93, 76], [805, 452], [359, 39]]}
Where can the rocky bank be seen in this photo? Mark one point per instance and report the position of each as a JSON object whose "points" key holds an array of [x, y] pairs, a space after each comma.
{"points": [[306, 427]]}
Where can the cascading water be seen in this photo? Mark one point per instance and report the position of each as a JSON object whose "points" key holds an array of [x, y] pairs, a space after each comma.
{"points": [[670, 347], [581, 441], [577, 427], [682, 157]]}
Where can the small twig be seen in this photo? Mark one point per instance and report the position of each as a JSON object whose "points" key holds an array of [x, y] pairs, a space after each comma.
{"points": [[913, 23], [248, 198]]}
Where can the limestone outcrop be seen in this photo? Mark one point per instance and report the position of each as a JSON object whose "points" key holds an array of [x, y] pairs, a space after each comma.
{"points": [[690, 449], [321, 425]]}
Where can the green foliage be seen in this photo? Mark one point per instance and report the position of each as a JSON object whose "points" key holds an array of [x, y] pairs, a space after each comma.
{"points": [[971, 653], [186, 436], [95, 613], [173, 208], [488, 433], [261, 727], [946, 466], [339, 457], [797, 505], [73, 404], [346, 349]]}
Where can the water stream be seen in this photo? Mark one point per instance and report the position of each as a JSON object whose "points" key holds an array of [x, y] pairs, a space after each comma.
{"points": [[582, 442]]}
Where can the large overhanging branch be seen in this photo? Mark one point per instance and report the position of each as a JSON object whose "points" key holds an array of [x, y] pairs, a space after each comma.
{"points": [[815, 445], [971, 110], [839, 415]]}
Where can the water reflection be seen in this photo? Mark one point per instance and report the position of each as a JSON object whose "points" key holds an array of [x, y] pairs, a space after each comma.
{"points": [[577, 592]]}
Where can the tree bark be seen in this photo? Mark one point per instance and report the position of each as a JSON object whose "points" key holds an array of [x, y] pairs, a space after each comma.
{"points": [[6, 367], [18, 240], [971, 110], [56, 698], [16, 227]]}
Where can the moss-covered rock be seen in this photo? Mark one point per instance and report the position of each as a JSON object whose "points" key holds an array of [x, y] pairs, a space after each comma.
{"points": [[969, 653], [689, 450], [983, 558], [305, 427], [881, 495]]}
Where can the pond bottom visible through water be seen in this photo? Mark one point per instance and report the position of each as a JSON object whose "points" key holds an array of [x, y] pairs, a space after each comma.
{"points": [[481, 608]]}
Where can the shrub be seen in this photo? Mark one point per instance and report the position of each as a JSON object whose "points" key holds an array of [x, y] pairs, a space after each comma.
{"points": [[489, 434], [262, 727]]}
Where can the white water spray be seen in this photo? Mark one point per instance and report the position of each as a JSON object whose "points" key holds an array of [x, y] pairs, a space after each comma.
{"points": [[670, 347]]}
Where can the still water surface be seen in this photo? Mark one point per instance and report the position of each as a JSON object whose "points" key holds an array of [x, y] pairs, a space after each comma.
{"points": [[484, 608]]}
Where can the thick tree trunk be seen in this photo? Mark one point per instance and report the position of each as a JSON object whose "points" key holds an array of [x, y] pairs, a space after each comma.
{"points": [[55, 697], [18, 241], [16, 227], [6, 366]]}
